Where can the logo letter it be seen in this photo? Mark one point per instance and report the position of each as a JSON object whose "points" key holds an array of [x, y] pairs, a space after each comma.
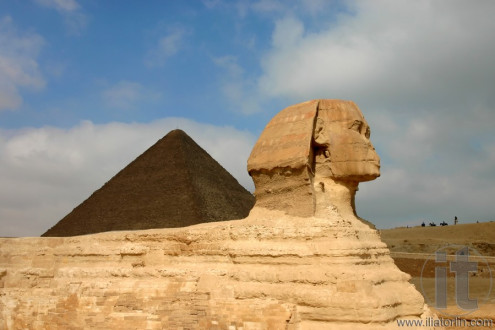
{"points": [[462, 266], [440, 281]]}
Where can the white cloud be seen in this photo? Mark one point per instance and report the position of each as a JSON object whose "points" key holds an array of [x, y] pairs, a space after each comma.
{"points": [[288, 32], [210, 4], [387, 50], [424, 78], [18, 64], [166, 46], [60, 5], [75, 22], [272, 7], [127, 95], [229, 64], [268, 6], [46, 172], [434, 166], [74, 18], [240, 92], [315, 6]]}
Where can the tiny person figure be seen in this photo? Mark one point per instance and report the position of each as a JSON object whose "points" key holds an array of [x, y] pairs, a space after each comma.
{"points": [[455, 221]]}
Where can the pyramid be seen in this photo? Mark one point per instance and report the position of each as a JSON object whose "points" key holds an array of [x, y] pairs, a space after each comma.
{"points": [[174, 183]]}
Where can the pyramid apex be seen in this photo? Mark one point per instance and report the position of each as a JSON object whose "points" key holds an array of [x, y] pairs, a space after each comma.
{"points": [[177, 133]]}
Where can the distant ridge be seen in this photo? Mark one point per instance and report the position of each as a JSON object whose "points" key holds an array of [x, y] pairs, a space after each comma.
{"points": [[174, 183], [480, 236]]}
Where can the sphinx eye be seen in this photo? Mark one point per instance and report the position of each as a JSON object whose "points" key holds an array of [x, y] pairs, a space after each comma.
{"points": [[356, 125], [368, 133]]}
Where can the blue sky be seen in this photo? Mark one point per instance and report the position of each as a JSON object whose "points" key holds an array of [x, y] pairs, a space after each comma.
{"points": [[162, 59], [86, 86]]}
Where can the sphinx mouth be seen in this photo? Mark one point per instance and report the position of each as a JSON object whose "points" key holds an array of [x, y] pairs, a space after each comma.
{"points": [[374, 162]]}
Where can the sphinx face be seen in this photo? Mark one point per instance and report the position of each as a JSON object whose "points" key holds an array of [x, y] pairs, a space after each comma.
{"points": [[342, 146]]}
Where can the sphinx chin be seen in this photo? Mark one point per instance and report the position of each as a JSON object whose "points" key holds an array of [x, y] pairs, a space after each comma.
{"points": [[370, 176]]}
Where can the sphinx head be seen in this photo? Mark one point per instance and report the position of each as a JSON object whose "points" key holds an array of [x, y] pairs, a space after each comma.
{"points": [[306, 146]]}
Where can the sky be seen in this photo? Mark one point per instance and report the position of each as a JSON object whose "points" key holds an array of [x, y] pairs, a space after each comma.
{"points": [[87, 86]]}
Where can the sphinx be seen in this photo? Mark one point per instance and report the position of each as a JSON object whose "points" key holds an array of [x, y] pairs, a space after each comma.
{"points": [[302, 259]]}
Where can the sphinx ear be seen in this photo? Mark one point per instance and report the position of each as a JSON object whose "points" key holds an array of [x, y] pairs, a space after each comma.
{"points": [[319, 134]]}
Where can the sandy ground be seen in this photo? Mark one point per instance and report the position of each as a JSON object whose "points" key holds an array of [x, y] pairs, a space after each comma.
{"points": [[413, 251], [480, 236]]}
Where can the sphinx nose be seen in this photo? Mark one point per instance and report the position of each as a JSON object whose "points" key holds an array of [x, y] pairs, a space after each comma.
{"points": [[372, 153]]}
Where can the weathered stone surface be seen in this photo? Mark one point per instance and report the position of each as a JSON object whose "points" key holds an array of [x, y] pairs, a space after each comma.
{"points": [[269, 271], [279, 268]]}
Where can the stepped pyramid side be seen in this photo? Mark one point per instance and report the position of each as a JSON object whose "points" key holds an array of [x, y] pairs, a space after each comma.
{"points": [[174, 183]]}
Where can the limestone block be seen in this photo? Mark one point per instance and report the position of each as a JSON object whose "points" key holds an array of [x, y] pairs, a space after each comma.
{"points": [[267, 271]]}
